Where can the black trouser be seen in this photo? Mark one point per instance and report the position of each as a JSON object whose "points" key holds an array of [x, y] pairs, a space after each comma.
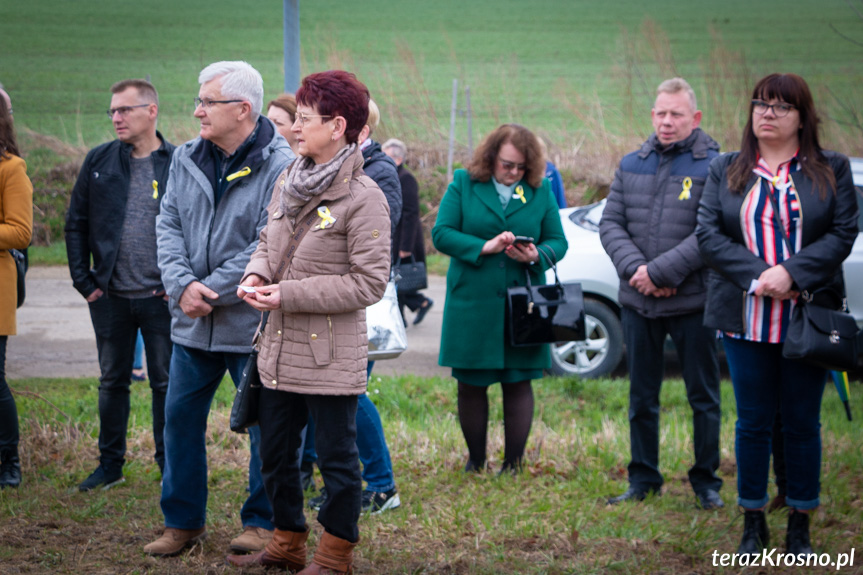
{"points": [[282, 417], [412, 299], [8, 410], [696, 348], [116, 321]]}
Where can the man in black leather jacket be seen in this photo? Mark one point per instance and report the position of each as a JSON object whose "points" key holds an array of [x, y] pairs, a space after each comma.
{"points": [[112, 219]]}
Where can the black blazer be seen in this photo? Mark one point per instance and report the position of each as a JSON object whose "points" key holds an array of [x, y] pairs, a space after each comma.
{"points": [[829, 231]]}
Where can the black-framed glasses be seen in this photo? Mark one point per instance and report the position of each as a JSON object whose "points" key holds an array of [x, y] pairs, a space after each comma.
{"points": [[780, 109], [508, 166], [206, 103], [123, 110], [303, 118]]}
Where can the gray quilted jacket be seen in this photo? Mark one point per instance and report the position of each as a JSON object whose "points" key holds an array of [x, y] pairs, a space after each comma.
{"points": [[650, 219]]}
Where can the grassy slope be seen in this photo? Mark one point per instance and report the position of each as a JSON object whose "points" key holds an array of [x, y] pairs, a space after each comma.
{"points": [[58, 58], [551, 519]]}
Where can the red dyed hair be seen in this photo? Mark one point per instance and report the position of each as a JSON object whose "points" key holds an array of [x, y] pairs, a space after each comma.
{"points": [[337, 93]]}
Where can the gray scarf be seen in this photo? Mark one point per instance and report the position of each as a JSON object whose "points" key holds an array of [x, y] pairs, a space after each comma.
{"points": [[308, 179]]}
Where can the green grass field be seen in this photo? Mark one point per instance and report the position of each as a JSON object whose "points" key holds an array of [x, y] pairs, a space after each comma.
{"points": [[551, 519], [543, 63]]}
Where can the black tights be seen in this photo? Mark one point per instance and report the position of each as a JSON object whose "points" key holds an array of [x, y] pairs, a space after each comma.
{"points": [[517, 419], [8, 411]]}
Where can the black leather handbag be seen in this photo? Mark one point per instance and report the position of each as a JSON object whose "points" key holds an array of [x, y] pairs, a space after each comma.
{"points": [[822, 332], [21, 269], [244, 411], [545, 314], [413, 276]]}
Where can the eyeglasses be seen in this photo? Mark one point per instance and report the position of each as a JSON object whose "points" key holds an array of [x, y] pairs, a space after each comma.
{"points": [[508, 166], [303, 118], [780, 110], [207, 104], [123, 110]]}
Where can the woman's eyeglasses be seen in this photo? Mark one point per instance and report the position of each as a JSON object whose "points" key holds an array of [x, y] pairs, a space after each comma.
{"points": [[304, 118], [509, 166], [780, 109]]}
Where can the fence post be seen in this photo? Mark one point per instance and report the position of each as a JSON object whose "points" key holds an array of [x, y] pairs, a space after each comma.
{"points": [[451, 130], [469, 123]]}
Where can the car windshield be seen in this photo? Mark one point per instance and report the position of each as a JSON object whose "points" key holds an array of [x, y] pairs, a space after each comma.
{"points": [[588, 217]]}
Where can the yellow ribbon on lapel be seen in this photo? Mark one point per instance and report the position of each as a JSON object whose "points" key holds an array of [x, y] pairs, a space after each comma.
{"points": [[244, 172], [687, 185], [519, 193], [155, 190], [326, 218]]}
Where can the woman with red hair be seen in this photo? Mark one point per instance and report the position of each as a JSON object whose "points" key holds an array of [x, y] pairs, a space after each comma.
{"points": [[324, 256]]}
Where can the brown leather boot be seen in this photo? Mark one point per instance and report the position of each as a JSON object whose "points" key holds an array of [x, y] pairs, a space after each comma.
{"points": [[287, 549], [333, 556]]}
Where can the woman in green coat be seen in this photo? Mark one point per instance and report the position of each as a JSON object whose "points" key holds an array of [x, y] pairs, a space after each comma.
{"points": [[501, 195]]}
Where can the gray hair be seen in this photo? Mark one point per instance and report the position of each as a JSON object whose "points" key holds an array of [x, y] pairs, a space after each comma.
{"points": [[675, 85], [238, 80], [399, 148]]}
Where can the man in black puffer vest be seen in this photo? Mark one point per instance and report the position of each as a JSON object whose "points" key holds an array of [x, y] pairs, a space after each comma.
{"points": [[648, 230]]}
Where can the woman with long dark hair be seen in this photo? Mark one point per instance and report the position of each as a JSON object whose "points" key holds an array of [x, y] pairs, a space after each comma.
{"points": [[16, 226], [776, 220]]}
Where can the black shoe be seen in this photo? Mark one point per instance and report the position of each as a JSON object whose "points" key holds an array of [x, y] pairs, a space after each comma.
{"points": [[632, 494], [709, 499], [509, 468], [374, 502], [474, 466], [316, 502], [755, 533], [102, 477], [797, 537], [423, 310], [10, 468]]}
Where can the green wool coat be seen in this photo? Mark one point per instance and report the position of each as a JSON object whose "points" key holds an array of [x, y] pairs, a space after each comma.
{"points": [[473, 335]]}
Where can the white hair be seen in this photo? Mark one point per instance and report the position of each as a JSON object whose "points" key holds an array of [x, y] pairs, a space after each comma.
{"points": [[238, 80], [398, 147]]}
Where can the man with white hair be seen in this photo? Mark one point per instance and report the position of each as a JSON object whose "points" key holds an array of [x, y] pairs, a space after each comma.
{"points": [[214, 210], [648, 230]]}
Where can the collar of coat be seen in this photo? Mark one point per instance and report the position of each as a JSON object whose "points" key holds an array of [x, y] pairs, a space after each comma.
{"points": [[698, 143], [487, 194], [351, 169]]}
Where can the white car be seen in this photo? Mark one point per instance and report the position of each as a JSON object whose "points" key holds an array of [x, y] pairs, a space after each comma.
{"points": [[587, 262]]}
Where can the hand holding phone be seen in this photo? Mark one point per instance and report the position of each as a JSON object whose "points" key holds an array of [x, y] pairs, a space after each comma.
{"points": [[523, 240]]}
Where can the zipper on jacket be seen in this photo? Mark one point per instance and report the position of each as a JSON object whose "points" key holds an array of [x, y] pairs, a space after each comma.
{"points": [[332, 339]]}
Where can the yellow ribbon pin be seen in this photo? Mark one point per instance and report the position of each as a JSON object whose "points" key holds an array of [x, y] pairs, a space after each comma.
{"points": [[244, 172], [687, 185], [519, 193], [155, 190], [326, 218]]}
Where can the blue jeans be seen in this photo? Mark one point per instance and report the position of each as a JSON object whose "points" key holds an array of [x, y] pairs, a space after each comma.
{"points": [[372, 445], [195, 377], [645, 352], [116, 321], [763, 379]]}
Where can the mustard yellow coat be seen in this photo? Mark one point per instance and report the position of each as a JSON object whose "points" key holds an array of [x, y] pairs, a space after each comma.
{"points": [[16, 227]]}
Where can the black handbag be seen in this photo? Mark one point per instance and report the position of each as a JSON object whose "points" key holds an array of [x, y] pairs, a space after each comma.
{"points": [[820, 330], [545, 314], [244, 412], [21, 268], [413, 276]]}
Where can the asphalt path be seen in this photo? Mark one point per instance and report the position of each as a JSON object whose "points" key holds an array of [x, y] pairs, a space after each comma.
{"points": [[55, 336]]}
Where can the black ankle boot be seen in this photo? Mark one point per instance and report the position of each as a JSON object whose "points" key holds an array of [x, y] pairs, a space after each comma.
{"points": [[474, 466], [10, 468], [755, 534], [797, 537]]}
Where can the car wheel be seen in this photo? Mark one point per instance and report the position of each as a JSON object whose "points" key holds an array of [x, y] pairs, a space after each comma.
{"points": [[597, 355]]}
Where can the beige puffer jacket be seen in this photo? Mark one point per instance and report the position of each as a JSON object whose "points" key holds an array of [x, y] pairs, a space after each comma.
{"points": [[317, 343]]}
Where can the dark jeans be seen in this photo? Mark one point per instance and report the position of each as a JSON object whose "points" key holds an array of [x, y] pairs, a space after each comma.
{"points": [[195, 377], [116, 321], [8, 410], [760, 374], [645, 352], [282, 417]]}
